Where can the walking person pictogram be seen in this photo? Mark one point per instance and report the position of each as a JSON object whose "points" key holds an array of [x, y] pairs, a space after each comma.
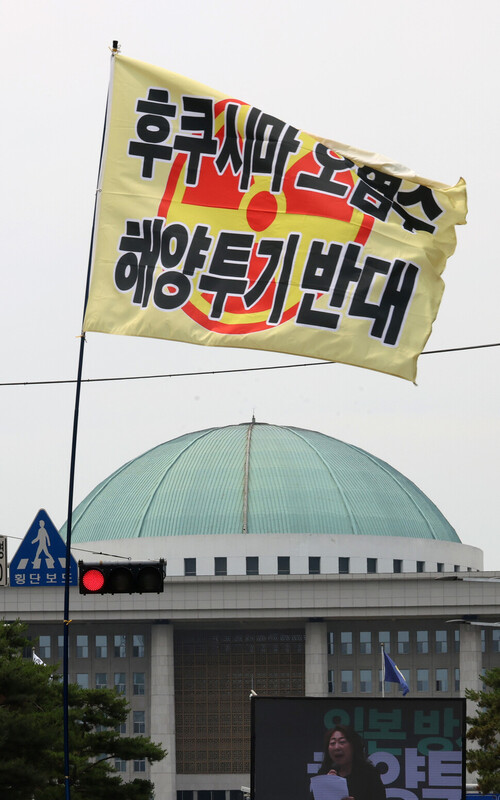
{"points": [[43, 540]]}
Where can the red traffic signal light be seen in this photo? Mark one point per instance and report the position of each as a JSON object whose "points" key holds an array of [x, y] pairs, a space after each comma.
{"points": [[129, 577], [92, 580]]}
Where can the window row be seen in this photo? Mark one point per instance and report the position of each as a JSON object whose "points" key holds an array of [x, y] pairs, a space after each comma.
{"points": [[397, 566], [367, 678], [138, 723], [139, 765], [119, 682], [495, 640], [405, 642], [314, 565], [102, 648], [252, 565], [210, 794]]}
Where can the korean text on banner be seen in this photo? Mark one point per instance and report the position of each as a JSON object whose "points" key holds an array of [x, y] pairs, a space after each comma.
{"points": [[219, 224]]}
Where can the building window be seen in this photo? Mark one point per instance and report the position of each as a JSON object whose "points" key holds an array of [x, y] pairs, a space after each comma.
{"points": [[60, 646], [331, 681], [331, 643], [403, 642], [483, 640], [346, 643], [82, 646], [101, 680], [139, 721], [189, 566], [420, 566], [82, 679], [211, 794], [101, 646], [138, 645], [121, 728], [456, 568], [283, 565], [441, 641], [343, 565], [422, 641], [120, 649], [346, 680], [384, 637], [185, 794], [252, 563], [441, 680], [457, 679], [456, 640], [314, 565], [495, 640], [422, 680], [139, 682], [120, 765], [220, 565], [28, 650], [397, 565], [44, 646], [140, 765], [365, 680], [365, 643], [440, 566], [371, 566], [120, 682]]}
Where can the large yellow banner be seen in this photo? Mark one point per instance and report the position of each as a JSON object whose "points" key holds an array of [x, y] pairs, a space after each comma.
{"points": [[219, 224]]}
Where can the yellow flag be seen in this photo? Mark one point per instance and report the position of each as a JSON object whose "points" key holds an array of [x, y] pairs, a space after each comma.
{"points": [[220, 224]]}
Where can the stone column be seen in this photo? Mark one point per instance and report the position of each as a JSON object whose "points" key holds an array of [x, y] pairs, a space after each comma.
{"points": [[471, 660], [163, 774], [316, 661], [470, 670]]}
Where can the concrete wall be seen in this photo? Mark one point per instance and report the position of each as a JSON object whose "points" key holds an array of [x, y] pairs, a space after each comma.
{"points": [[235, 547]]}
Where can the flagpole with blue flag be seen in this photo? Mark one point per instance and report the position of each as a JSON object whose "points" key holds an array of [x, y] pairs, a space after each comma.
{"points": [[392, 674], [382, 653]]}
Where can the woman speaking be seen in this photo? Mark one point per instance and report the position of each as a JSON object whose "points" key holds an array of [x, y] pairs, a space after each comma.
{"points": [[344, 756]]}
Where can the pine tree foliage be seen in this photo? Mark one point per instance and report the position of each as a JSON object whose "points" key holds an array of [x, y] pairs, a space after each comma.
{"points": [[484, 757], [31, 733]]}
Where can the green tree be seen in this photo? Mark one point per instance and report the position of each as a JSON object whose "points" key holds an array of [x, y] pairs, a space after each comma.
{"points": [[484, 730], [31, 733]]}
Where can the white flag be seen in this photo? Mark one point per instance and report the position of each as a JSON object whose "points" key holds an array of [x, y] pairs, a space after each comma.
{"points": [[38, 660]]}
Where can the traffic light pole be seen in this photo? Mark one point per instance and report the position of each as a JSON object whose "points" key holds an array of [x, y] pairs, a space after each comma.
{"points": [[67, 620], [68, 569]]}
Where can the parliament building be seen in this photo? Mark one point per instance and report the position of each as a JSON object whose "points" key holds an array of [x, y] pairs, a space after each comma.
{"points": [[291, 557]]}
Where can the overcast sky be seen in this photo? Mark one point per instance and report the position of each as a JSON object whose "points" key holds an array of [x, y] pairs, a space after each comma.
{"points": [[418, 82]]}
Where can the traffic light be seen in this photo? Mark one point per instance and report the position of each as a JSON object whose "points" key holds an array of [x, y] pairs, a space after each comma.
{"points": [[129, 577]]}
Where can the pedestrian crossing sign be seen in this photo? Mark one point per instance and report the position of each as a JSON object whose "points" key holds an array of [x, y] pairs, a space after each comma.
{"points": [[40, 559]]}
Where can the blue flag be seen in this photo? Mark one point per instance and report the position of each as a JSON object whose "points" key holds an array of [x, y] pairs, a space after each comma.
{"points": [[393, 674]]}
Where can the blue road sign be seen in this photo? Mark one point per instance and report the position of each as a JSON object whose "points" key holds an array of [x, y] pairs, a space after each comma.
{"points": [[41, 557], [481, 796]]}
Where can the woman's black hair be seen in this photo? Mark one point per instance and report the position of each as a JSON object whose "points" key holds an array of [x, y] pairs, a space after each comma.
{"points": [[354, 739]]}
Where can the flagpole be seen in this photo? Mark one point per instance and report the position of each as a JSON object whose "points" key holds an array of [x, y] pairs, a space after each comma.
{"points": [[383, 668], [71, 486]]}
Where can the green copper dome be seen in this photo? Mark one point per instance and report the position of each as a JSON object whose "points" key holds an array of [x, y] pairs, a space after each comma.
{"points": [[257, 478]]}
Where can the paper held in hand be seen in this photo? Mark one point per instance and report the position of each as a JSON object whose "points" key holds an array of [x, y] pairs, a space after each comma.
{"points": [[329, 787]]}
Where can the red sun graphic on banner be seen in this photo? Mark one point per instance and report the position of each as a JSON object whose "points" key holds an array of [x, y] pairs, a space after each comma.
{"points": [[273, 216]]}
